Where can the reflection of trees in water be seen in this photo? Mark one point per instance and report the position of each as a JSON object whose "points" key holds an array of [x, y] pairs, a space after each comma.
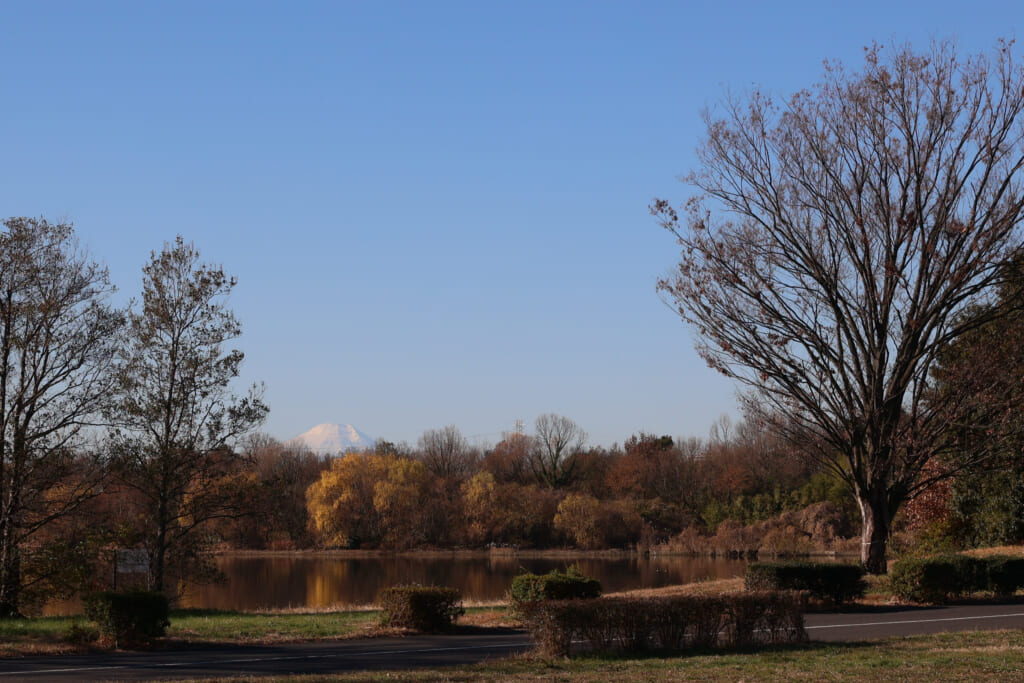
{"points": [[323, 588], [263, 582]]}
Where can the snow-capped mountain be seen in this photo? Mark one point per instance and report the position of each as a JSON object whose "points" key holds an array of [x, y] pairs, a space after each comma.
{"points": [[328, 439]]}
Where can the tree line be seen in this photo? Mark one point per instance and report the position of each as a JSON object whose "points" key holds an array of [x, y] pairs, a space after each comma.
{"points": [[118, 424], [646, 491], [741, 488]]}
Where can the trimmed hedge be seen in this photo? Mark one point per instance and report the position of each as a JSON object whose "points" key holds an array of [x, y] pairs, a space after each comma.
{"points": [[527, 589], [130, 617], [672, 624], [1005, 574], [421, 608], [834, 583], [944, 577]]}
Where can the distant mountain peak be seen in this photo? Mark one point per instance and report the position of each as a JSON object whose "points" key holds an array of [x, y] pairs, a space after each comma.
{"points": [[329, 439]]}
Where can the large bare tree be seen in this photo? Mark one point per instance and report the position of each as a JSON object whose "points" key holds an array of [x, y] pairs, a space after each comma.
{"points": [[833, 244], [177, 421], [556, 449], [447, 453], [57, 337]]}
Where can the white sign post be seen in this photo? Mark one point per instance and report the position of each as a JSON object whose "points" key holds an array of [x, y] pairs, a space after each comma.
{"points": [[130, 561]]}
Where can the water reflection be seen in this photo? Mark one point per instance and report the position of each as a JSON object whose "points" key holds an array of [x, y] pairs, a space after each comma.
{"points": [[322, 581]]}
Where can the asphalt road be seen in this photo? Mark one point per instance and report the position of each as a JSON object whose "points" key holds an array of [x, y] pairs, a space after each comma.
{"points": [[446, 650], [909, 621]]}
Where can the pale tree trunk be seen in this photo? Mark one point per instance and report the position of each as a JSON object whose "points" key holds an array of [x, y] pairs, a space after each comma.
{"points": [[159, 558], [876, 523]]}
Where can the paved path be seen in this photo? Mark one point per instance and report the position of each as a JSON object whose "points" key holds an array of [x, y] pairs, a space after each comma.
{"points": [[907, 621], [294, 658], [446, 650]]}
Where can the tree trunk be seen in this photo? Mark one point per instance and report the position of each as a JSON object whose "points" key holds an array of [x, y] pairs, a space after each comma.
{"points": [[10, 575], [874, 538], [159, 557]]}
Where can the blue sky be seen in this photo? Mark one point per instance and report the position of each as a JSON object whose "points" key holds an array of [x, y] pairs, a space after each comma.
{"points": [[437, 212]]}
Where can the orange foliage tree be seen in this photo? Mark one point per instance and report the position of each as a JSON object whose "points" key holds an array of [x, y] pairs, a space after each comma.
{"points": [[370, 499]]}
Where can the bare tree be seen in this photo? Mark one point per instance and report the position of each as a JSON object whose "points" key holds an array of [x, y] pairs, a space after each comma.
{"points": [[446, 453], [835, 241], [177, 421], [556, 449], [276, 514], [721, 431], [57, 336]]}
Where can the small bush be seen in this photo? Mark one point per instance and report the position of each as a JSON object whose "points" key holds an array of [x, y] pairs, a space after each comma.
{"points": [[834, 583], [528, 589], [421, 608], [128, 618], [668, 623], [77, 634]]}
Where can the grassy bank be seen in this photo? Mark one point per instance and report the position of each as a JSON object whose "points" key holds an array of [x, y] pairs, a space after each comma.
{"points": [[64, 635], [59, 635]]}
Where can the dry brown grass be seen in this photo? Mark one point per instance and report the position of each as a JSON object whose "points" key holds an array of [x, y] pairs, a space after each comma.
{"points": [[427, 553], [493, 618], [1011, 550], [323, 609], [25, 649], [713, 587]]}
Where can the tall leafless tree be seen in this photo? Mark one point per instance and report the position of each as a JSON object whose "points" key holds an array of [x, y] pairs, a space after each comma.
{"points": [[177, 420], [446, 453], [833, 244], [556, 448], [57, 337]]}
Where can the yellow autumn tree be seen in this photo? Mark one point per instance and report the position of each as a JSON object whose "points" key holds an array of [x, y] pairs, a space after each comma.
{"points": [[366, 499], [579, 517], [400, 498], [341, 503], [480, 498]]}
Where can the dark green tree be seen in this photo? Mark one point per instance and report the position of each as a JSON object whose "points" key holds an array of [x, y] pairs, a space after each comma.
{"points": [[177, 421], [979, 384]]}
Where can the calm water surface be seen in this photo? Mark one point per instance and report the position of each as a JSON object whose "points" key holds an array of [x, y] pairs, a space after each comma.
{"points": [[322, 581]]}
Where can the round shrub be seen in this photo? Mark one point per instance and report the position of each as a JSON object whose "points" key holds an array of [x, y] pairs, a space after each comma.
{"points": [[421, 608], [128, 618], [528, 589]]}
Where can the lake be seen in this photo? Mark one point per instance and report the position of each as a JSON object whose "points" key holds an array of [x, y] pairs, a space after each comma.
{"points": [[317, 581], [321, 580]]}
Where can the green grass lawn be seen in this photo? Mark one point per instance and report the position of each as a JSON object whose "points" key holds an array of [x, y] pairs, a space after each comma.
{"points": [[57, 634], [246, 627], [38, 627]]}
